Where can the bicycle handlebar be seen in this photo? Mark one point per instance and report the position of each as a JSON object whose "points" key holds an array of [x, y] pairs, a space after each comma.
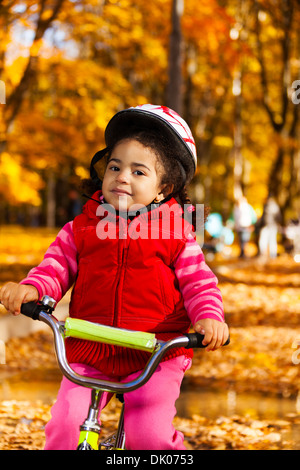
{"points": [[42, 311], [33, 309]]}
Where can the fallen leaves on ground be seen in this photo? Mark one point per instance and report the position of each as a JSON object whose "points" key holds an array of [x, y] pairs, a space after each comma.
{"points": [[30, 353], [258, 358], [235, 433], [22, 425]]}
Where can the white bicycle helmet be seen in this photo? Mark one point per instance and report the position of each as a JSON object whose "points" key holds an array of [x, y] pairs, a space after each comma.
{"points": [[160, 119]]}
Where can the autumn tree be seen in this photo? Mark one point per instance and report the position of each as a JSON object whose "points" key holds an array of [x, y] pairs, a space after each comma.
{"points": [[37, 18], [277, 50], [75, 90], [45, 13], [227, 64]]}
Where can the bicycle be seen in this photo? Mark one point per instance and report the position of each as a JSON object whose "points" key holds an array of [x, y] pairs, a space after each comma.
{"points": [[90, 429]]}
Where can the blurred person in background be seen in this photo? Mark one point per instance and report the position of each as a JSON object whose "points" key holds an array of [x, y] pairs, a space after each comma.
{"points": [[269, 224]]}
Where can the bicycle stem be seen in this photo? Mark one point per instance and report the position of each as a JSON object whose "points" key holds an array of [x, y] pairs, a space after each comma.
{"points": [[91, 423]]}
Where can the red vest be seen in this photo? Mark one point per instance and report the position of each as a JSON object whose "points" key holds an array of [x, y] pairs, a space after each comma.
{"points": [[126, 279]]}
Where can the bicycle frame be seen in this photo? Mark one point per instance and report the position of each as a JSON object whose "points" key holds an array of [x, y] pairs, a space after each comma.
{"points": [[90, 429]]}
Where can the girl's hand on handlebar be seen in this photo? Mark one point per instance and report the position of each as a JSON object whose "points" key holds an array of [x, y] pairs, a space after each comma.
{"points": [[215, 333], [12, 295]]}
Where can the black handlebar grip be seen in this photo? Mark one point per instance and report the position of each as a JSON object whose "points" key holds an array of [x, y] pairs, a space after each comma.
{"points": [[195, 341], [31, 309]]}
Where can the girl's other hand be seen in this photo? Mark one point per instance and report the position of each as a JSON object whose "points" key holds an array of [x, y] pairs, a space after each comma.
{"points": [[215, 333], [12, 295]]}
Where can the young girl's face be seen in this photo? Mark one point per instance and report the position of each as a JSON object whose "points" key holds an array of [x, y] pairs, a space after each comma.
{"points": [[132, 177]]}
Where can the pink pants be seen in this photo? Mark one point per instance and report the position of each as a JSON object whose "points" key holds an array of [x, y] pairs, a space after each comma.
{"points": [[149, 410]]}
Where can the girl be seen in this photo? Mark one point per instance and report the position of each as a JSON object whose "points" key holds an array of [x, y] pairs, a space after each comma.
{"points": [[135, 264]]}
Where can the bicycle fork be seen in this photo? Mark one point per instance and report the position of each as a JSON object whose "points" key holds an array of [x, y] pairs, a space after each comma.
{"points": [[90, 429]]}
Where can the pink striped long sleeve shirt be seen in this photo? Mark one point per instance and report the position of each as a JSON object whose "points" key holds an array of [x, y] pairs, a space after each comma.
{"points": [[202, 298]]}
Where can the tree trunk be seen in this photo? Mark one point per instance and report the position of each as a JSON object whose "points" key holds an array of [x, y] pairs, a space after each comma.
{"points": [[51, 201], [284, 129], [174, 88], [237, 146]]}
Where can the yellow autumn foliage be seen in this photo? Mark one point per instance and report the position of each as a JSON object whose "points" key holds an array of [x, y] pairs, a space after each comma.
{"points": [[99, 57], [17, 184]]}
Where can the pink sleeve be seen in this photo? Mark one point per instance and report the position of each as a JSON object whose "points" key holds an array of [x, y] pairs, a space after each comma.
{"points": [[198, 284], [57, 272]]}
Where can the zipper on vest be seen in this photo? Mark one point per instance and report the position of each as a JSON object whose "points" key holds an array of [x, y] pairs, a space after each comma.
{"points": [[119, 280], [119, 288]]}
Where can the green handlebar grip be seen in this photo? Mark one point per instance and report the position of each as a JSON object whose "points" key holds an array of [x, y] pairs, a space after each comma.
{"points": [[90, 331]]}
